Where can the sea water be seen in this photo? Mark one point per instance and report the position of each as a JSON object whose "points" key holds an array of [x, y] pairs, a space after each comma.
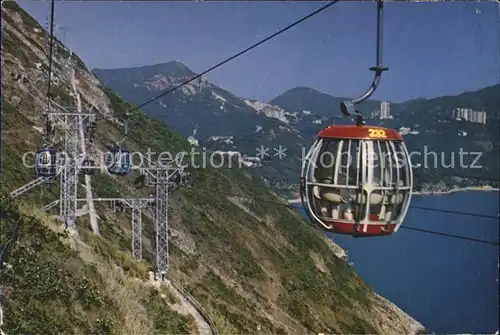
{"points": [[447, 284]]}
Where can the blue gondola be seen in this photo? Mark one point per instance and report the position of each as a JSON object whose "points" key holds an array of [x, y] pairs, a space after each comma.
{"points": [[118, 161], [46, 162]]}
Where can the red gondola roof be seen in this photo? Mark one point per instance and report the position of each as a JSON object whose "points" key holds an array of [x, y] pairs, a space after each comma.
{"points": [[360, 133]]}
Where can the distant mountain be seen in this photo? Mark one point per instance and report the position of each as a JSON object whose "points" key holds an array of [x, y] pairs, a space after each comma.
{"points": [[219, 120], [320, 104]]}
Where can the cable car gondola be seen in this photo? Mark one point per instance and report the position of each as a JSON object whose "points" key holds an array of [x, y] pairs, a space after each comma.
{"points": [[46, 162], [357, 179], [348, 165], [118, 161]]}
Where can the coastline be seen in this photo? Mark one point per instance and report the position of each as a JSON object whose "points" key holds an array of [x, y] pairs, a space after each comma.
{"points": [[294, 201], [454, 190], [462, 189], [383, 304]]}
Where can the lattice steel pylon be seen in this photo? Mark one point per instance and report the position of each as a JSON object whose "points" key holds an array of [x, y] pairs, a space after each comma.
{"points": [[136, 231], [137, 204], [161, 222], [160, 179], [70, 162]]}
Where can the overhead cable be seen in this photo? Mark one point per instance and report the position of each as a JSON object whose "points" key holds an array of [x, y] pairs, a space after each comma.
{"points": [[227, 60]]}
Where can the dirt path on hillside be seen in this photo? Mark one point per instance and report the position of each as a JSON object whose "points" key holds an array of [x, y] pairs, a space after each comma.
{"points": [[184, 307], [88, 181]]}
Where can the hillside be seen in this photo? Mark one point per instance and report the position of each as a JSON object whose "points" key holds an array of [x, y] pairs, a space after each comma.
{"points": [[439, 132], [252, 265], [293, 119]]}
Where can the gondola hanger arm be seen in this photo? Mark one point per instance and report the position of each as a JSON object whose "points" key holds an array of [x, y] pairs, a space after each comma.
{"points": [[347, 107]]}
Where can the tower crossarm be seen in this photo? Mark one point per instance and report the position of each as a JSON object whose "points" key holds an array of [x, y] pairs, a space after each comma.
{"points": [[130, 202], [29, 186], [51, 205]]}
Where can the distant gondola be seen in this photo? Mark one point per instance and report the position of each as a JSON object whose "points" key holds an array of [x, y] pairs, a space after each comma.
{"points": [[118, 161]]}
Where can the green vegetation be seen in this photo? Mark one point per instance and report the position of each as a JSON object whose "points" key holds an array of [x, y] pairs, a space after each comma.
{"points": [[27, 19], [50, 289], [166, 320], [30, 24], [16, 141], [224, 243]]}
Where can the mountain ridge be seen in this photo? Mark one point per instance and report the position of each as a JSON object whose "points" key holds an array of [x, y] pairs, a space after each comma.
{"points": [[252, 265], [293, 89], [170, 67], [161, 64]]}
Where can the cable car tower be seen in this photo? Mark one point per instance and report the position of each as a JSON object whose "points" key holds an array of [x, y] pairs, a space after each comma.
{"points": [[162, 177], [67, 164], [71, 161], [49, 163], [357, 179]]}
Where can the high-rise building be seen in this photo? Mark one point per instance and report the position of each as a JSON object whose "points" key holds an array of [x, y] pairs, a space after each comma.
{"points": [[384, 110]]}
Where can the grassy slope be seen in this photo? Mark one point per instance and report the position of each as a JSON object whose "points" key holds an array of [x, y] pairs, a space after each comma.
{"points": [[235, 249], [263, 267], [49, 288]]}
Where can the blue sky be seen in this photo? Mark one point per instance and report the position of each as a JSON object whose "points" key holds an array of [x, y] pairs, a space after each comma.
{"points": [[432, 49]]}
